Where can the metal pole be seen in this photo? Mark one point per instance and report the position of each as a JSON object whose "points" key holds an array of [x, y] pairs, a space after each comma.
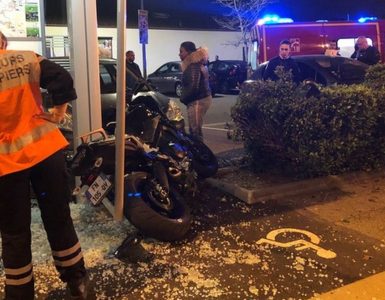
{"points": [[144, 49], [42, 28], [120, 110]]}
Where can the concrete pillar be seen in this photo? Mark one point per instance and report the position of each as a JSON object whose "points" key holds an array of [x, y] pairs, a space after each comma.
{"points": [[120, 110], [84, 58]]}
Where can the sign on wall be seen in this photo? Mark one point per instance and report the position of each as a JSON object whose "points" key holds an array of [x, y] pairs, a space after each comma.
{"points": [[105, 47], [143, 26], [20, 18]]}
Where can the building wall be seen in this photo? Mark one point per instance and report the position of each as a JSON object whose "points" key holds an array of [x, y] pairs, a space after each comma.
{"points": [[163, 45]]}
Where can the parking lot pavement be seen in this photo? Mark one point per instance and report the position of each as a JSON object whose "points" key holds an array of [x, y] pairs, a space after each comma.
{"points": [[277, 250], [216, 138]]}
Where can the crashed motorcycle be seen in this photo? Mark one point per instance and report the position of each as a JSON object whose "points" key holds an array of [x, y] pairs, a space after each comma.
{"points": [[152, 202], [159, 122]]}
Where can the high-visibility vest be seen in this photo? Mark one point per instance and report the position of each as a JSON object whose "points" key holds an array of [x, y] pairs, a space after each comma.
{"points": [[25, 140]]}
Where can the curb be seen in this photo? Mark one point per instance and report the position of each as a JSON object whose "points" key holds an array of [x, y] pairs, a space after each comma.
{"points": [[279, 191]]}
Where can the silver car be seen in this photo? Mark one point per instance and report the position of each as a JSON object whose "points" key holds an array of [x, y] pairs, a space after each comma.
{"points": [[168, 78]]}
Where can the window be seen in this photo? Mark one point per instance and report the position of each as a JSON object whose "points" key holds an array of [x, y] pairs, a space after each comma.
{"points": [[309, 72], [347, 45], [107, 78], [175, 68], [163, 69], [222, 67]]}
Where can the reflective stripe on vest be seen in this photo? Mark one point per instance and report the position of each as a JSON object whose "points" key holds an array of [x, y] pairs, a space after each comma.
{"points": [[34, 135]]}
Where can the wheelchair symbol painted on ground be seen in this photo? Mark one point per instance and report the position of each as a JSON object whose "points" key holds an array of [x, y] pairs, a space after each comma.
{"points": [[298, 244]]}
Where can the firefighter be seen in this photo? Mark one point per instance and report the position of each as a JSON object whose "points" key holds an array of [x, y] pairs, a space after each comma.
{"points": [[31, 153], [283, 59]]}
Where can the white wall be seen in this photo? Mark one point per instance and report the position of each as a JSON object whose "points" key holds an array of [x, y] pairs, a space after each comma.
{"points": [[25, 45], [163, 45]]}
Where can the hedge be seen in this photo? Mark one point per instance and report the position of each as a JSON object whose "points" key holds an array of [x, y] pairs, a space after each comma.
{"points": [[285, 129]]}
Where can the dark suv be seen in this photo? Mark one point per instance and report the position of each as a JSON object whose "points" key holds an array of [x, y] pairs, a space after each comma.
{"points": [[227, 75]]}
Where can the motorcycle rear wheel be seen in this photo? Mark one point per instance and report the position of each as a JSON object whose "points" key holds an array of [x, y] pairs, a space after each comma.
{"points": [[163, 217]]}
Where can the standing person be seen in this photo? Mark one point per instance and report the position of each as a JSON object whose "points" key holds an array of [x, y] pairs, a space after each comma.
{"points": [[196, 93], [133, 74], [31, 153], [131, 65], [365, 53], [284, 60]]}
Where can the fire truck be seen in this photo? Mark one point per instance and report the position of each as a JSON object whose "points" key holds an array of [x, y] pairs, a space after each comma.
{"points": [[316, 37]]}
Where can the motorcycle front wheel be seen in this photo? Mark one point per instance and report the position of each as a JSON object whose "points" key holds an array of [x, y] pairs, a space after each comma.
{"points": [[155, 212]]}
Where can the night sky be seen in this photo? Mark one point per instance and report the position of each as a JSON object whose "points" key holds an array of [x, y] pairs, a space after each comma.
{"points": [[311, 10], [185, 13]]}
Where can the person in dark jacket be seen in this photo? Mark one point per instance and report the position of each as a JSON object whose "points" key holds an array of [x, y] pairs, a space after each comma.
{"points": [[365, 53], [133, 73], [196, 93], [284, 60], [131, 65]]}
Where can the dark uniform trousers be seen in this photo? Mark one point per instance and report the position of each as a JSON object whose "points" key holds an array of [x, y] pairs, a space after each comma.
{"points": [[50, 183]]}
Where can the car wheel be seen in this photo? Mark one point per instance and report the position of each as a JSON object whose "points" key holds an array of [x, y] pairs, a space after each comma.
{"points": [[178, 89]]}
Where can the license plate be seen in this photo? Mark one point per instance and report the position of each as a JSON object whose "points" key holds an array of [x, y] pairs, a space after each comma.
{"points": [[98, 189]]}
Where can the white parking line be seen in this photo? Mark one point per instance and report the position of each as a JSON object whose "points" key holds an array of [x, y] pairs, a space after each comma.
{"points": [[368, 288], [215, 129], [215, 124]]}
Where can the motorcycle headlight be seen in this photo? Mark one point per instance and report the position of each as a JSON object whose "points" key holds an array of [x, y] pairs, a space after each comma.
{"points": [[174, 113]]}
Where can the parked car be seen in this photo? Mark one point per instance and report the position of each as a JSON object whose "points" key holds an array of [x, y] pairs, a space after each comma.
{"points": [[325, 70], [107, 72], [167, 78], [227, 75]]}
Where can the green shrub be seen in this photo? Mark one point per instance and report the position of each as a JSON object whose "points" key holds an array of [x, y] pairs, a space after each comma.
{"points": [[342, 129], [375, 77]]}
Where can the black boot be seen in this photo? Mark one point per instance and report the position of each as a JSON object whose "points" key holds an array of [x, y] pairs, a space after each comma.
{"points": [[78, 289]]}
